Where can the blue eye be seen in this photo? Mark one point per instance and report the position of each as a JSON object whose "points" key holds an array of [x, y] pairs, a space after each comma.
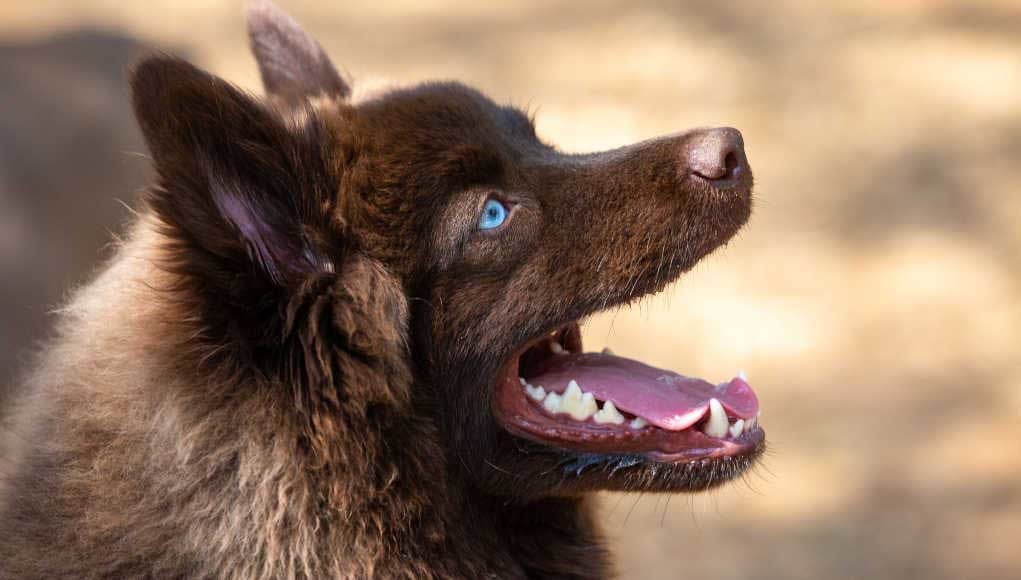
{"points": [[493, 215]]}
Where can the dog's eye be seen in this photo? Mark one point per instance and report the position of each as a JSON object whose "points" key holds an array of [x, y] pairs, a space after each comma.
{"points": [[494, 213]]}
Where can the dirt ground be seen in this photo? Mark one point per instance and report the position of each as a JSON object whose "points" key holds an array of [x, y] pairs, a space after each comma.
{"points": [[874, 299]]}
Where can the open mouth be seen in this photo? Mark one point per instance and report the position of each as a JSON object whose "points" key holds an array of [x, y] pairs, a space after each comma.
{"points": [[553, 393]]}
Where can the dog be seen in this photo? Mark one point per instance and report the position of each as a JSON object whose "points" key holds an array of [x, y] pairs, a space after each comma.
{"points": [[341, 340]]}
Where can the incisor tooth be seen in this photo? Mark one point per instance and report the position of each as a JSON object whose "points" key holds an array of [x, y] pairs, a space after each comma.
{"points": [[742, 376], [608, 414], [607, 351], [638, 423], [717, 424], [536, 393], [556, 347], [522, 381], [737, 428]]}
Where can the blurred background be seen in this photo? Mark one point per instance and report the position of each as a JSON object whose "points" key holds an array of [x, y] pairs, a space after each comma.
{"points": [[874, 299]]}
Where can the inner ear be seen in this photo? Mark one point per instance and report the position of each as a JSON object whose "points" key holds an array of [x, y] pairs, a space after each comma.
{"points": [[293, 66]]}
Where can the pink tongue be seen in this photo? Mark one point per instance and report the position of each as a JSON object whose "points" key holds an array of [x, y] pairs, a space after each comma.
{"points": [[664, 398]]}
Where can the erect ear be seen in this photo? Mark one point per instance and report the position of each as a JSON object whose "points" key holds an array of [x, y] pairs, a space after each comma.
{"points": [[245, 203], [246, 199], [294, 67]]}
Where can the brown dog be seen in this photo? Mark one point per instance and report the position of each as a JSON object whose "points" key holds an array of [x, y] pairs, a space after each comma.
{"points": [[342, 341]]}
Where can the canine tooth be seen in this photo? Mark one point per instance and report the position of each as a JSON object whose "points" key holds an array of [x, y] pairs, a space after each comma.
{"points": [[552, 403], [536, 393], [556, 347], [638, 422], [717, 424], [607, 351], [609, 414], [737, 428]]}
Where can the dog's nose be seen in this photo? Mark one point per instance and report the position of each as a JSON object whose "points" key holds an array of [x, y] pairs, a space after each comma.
{"points": [[716, 154]]}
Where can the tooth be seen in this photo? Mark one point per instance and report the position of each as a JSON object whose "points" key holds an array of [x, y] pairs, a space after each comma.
{"points": [[607, 351], [753, 422], [573, 390], [552, 403], [587, 408], [609, 414], [571, 402], [522, 381], [717, 424], [737, 428], [577, 403], [638, 423], [536, 393], [742, 376], [556, 347]]}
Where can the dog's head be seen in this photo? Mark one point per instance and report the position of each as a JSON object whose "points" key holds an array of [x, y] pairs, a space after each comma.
{"points": [[424, 254]]}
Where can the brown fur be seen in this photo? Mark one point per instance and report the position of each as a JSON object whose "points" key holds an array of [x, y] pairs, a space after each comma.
{"points": [[285, 371]]}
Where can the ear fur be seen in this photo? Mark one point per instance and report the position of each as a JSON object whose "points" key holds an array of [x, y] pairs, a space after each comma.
{"points": [[245, 199], [246, 203], [293, 66]]}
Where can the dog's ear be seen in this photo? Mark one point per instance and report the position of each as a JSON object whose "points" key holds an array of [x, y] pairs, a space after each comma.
{"points": [[246, 203], [245, 197], [294, 67]]}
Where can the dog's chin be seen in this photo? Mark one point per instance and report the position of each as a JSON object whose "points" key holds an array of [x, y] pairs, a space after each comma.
{"points": [[613, 423]]}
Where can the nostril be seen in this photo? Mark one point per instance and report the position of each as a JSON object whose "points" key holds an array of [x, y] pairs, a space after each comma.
{"points": [[713, 172], [715, 154], [732, 168], [708, 163]]}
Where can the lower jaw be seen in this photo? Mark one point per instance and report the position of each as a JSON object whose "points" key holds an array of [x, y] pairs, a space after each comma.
{"points": [[520, 418]]}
